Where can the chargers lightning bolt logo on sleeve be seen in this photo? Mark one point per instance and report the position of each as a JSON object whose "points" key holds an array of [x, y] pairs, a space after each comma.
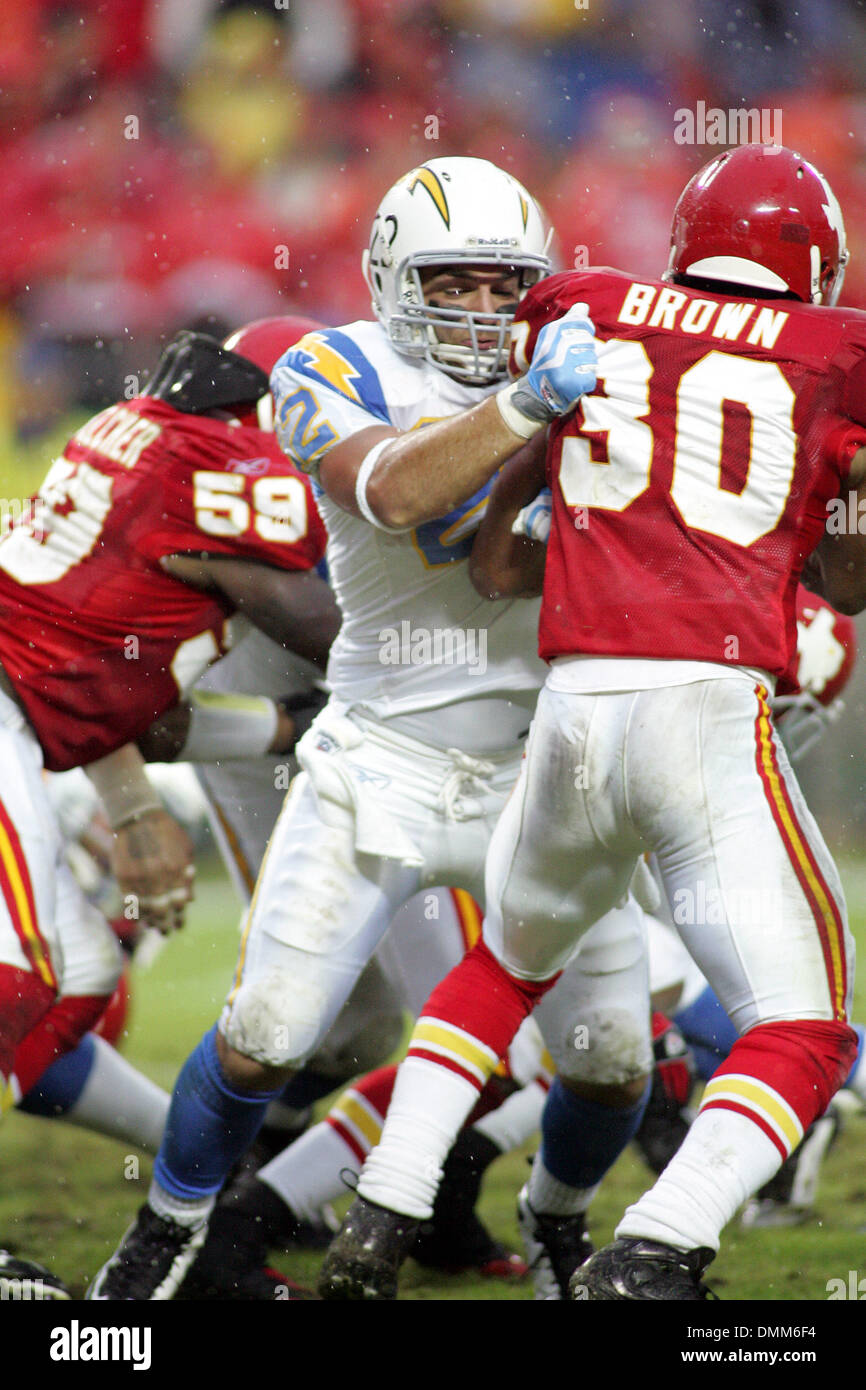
{"points": [[326, 388]]}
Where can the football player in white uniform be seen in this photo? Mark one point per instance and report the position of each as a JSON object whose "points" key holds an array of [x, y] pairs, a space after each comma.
{"points": [[433, 688]]}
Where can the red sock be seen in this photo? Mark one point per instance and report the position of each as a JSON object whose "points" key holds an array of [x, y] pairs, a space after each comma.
{"points": [[376, 1088], [24, 999], [802, 1063], [481, 999], [57, 1032]]}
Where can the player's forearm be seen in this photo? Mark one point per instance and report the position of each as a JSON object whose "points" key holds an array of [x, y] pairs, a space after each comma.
{"points": [[839, 575], [425, 474], [213, 726], [503, 565], [836, 569], [123, 786], [295, 609]]}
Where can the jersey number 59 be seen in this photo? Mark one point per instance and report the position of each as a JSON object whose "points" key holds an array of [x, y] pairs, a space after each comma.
{"points": [[275, 507]]}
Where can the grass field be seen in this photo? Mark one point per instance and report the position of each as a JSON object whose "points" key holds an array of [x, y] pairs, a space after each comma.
{"points": [[67, 1196]]}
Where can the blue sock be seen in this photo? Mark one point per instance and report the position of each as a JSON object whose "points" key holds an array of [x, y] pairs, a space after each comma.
{"points": [[708, 1031], [580, 1139], [861, 1039], [210, 1125], [60, 1085]]}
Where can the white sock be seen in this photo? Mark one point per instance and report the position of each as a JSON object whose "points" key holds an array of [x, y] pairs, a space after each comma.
{"points": [[428, 1108], [515, 1120], [722, 1161], [309, 1173], [120, 1101], [549, 1196], [186, 1212]]}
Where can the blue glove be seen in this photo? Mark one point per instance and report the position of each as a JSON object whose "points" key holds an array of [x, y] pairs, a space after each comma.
{"points": [[534, 520], [563, 367]]}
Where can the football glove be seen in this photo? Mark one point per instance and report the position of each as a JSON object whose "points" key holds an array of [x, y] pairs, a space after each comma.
{"points": [[534, 520], [563, 368]]}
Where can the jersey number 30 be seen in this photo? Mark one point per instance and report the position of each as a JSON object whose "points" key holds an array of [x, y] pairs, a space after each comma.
{"points": [[714, 381]]}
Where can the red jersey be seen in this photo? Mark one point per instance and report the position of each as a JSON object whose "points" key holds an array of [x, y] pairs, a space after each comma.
{"points": [[96, 638], [691, 485]]}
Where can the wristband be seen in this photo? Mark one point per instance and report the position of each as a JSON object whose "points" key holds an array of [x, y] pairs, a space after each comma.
{"points": [[369, 463], [125, 790], [223, 726], [522, 412]]}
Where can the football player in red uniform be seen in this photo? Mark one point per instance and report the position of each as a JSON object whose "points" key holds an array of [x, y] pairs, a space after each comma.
{"points": [[689, 489], [167, 514], [806, 705]]}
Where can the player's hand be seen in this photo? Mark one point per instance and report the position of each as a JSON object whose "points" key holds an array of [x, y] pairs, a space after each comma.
{"points": [[564, 362], [534, 519], [563, 367], [295, 714], [153, 863]]}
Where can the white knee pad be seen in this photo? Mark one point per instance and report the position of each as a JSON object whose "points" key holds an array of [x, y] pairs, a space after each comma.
{"points": [[596, 1019], [605, 1046], [276, 1018]]}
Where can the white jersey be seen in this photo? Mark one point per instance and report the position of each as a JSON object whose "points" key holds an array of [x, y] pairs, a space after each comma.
{"points": [[416, 636]]}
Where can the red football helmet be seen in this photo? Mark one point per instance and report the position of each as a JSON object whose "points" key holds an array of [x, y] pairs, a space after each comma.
{"points": [[826, 653], [761, 216], [263, 343]]}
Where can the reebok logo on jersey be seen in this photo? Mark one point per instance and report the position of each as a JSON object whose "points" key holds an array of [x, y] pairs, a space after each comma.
{"points": [[251, 468]]}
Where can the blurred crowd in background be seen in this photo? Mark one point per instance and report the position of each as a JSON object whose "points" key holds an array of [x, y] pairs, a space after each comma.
{"points": [[170, 163], [201, 163]]}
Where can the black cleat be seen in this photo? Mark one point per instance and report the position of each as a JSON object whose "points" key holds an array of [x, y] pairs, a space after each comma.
{"points": [[28, 1281], [365, 1256], [150, 1263], [235, 1284], [232, 1264], [555, 1246], [456, 1239], [454, 1250], [633, 1270]]}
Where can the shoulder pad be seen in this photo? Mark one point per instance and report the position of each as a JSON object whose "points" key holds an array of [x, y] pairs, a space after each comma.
{"points": [[196, 374]]}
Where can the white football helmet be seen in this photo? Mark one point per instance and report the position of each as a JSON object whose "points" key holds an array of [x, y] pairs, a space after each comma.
{"points": [[445, 213]]}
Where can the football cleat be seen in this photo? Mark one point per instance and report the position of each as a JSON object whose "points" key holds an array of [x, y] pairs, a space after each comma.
{"points": [[151, 1261], [240, 1284], [232, 1264], [555, 1246], [455, 1239], [788, 1198], [364, 1259], [470, 1247], [27, 1281], [635, 1270]]}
